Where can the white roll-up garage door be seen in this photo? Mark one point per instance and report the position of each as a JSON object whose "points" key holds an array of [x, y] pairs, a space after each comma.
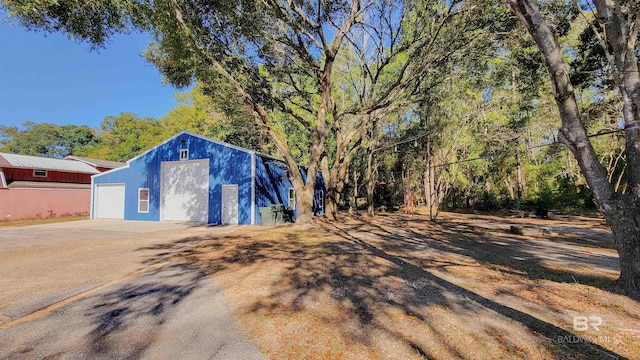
{"points": [[109, 201], [185, 190]]}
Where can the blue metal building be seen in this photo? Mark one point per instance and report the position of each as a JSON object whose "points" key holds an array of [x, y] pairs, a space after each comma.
{"points": [[194, 178]]}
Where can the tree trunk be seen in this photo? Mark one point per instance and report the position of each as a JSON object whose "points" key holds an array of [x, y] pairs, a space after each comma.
{"points": [[331, 201], [337, 175], [428, 188], [622, 33], [626, 233], [304, 205], [620, 210], [354, 203], [348, 143], [429, 180], [507, 183], [520, 176], [371, 184]]}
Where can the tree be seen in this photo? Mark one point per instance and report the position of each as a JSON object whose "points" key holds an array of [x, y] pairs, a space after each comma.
{"points": [[125, 136], [220, 120], [275, 57], [48, 139], [6, 134], [35, 139], [77, 139], [619, 20], [392, 57]]}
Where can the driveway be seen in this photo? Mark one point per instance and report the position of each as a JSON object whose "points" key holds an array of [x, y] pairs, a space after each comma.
{"points": [[88, 289]]}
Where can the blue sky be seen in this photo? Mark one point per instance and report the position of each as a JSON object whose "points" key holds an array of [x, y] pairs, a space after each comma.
{"points": [[56, 80]]}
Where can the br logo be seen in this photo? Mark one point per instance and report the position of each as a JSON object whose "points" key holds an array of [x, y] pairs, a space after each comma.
{"points": [[582, 323]]}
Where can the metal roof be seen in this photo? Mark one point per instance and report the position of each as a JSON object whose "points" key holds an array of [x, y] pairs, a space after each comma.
{"points": [[249, 151], [43, 163], [97, 162]]}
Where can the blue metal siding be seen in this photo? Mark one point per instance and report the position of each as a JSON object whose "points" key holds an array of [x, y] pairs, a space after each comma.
{"points": [[226, 166], [317, 193], [273, 183], [142, 172]]}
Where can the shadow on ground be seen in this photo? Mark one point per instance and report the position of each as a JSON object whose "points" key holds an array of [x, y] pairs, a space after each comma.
{"points": [[171, 312], [365, 277], [119, 314]]}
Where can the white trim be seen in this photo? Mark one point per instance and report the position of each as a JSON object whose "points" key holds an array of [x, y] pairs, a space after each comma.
{"points": [[148, 200], [272, 157], [321, 200], [46, 173], [194, 135], [171, 138], [207, 161], [124, 207], [237, 204], [216, 142], [186, 153], [111, 171], [289, 199], [3, 179], [161, 197], [253, 189], [148, 151], [91, 211]]}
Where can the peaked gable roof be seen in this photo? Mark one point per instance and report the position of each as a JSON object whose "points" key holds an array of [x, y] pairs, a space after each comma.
{"points": [[222, 143], [194, 135], [184, 132]]}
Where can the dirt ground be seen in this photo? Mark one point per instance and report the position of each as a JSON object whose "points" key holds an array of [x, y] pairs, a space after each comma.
{"points": [[46, 263], [39, 221], [393, 288]]}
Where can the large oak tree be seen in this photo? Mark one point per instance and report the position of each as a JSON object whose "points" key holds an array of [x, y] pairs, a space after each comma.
{"points": [[278, 58], [620, 20]]}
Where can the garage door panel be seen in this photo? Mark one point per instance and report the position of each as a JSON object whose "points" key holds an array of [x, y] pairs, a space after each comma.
{"points": [[185, 191], [109, 201]]}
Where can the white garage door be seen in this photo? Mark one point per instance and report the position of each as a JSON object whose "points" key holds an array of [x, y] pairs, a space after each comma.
{"points": [[185, 190], [109, 201]]}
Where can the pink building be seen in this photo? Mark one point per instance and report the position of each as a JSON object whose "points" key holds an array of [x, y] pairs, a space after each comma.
{"points": [[39, 187]]}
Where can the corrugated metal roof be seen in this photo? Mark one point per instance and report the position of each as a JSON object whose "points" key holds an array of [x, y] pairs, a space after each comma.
{"points": [[97, 162], [36, 162]]}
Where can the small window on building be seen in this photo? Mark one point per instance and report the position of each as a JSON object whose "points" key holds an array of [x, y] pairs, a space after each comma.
{"points": [[143, 200], [321, 200], [292, 199], [184, 154], [39, 173]]}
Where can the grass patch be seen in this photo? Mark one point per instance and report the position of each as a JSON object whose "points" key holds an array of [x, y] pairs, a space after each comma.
{"points": [[39, 221]]}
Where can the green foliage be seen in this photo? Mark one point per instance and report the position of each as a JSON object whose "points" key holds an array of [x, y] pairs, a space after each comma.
{"points": [[91, 21], [125, 136], [202, 114], [47, 139], [463, 75]]}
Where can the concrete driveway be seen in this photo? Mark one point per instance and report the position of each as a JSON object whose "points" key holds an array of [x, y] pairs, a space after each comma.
{"points": [[95, 289]]}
